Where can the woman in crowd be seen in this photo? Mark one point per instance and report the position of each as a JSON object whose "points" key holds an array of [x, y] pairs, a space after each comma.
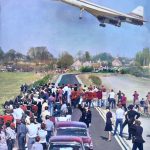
{"points": [[42, 134], [108, 126]]}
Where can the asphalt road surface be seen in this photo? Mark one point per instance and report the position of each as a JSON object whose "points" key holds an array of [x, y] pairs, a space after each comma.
{"points": [[99, 136], [68, 79]]}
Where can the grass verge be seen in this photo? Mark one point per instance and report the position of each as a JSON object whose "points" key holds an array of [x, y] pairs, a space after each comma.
{"points": [[95, 80], [10, 83]]}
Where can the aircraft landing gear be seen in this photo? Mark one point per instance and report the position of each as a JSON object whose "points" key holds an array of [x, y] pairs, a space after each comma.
{"points": [[81, 13], [80, 17], [102, 25]]}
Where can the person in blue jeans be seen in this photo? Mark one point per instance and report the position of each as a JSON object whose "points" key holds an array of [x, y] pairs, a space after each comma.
{"points": [[21, 132], [119, 119]]}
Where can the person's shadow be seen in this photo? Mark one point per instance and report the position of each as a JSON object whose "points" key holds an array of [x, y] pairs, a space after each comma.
{"points": [[104, 138]]}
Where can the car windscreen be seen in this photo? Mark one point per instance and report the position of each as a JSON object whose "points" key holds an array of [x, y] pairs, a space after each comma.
{"points": [[65, 147], [72, 131]]}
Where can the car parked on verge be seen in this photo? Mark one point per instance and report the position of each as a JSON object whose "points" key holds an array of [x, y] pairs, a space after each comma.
{"points": [[66, 143], [74, 128]]}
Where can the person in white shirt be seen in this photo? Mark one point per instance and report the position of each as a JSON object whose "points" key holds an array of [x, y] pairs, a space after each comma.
{"points": [[65, 93], [68, 96], [32, 131], [65, 89], [45, 113], [49, 128], [112, 100], [3, 145], [120, 114], [18, 112], [10, 136], [64, 108], [42, 133], [45, 104], [54, 89], [37, 145], [104, 97]]}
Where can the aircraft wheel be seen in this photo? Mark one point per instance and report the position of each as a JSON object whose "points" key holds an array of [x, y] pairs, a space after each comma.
{"points": [[102, 25]]}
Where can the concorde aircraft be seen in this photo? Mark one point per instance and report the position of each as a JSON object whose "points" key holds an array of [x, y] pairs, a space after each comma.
{"points": [[109, 16]]}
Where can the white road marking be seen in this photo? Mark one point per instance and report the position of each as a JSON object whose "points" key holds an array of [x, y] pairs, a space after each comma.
{"points": [[120, 141]]}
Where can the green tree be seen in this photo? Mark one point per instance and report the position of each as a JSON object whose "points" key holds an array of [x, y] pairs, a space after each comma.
{"points": [[39, 54], [19, 56], [65, 60], [87, 56], [142, 58], [1, 54], [79, 55], [103, 57], [146, 56], [10, 55]]}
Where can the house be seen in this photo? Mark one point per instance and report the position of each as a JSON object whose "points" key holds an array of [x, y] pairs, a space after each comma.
{"points": [[76, 65], [87, 64], [116, 62], [96, 66]]}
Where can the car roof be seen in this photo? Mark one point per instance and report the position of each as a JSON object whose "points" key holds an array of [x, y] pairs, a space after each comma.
{"points": [[71, 124], [66, 139]]}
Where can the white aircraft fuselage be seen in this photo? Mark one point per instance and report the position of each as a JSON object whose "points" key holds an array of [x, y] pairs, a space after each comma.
{"points": [[110, 16]]}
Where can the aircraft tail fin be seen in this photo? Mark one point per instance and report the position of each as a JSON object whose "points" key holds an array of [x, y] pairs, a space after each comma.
{"points": [[138, 12]]}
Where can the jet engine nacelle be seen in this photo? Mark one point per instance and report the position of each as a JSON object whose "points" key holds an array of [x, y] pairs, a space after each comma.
{"points": [[115, 22]]}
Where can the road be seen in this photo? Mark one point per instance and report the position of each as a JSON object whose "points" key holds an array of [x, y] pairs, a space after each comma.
{"points": [[97, 128], [99, 136], [68, 79]]}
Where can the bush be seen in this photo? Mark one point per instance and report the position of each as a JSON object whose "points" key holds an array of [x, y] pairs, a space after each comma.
{"points": [[42, 81], [136, 71], [86, 69], [95, 80]]}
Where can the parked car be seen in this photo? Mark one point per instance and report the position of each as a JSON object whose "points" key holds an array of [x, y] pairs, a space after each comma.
{"points": [[66, 142], [74, 128]]}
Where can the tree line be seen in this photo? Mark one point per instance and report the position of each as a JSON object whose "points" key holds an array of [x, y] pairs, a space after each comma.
{"points": [[142, 58], [65, 60], [36, 54]]}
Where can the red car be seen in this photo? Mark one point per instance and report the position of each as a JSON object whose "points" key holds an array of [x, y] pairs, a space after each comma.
{"points": [[74, 128], [66, 142]]}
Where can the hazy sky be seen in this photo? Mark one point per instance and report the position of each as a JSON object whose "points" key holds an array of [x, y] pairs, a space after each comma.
{"points": [[27, 23]]}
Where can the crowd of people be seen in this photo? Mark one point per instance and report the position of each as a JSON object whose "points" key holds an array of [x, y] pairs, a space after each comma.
{"points": [[30, 118]]}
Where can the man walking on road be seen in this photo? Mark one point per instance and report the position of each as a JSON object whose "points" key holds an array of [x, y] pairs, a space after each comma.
{"points": [[86, 116], [131, 116], [119, 119]]}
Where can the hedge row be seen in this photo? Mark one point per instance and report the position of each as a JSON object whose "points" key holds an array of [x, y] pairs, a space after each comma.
{"points": [[42, 81]]}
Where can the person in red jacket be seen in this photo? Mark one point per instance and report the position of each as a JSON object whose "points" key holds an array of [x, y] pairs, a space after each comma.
{"points": [[89, 97], [99, 96], [8, 118], [34, 108], [124, 101], [75, 97]]}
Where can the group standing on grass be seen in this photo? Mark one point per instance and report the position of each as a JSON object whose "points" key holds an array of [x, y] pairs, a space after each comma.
{"points": [[30, 118]]}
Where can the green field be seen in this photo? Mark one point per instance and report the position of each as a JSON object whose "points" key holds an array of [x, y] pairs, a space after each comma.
{"points": [[10, 83]]}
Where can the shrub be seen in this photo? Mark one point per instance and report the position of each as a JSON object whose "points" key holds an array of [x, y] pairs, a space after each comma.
{"points": [[42, 81], [136, 71], [87, 69], [95, 80]]}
